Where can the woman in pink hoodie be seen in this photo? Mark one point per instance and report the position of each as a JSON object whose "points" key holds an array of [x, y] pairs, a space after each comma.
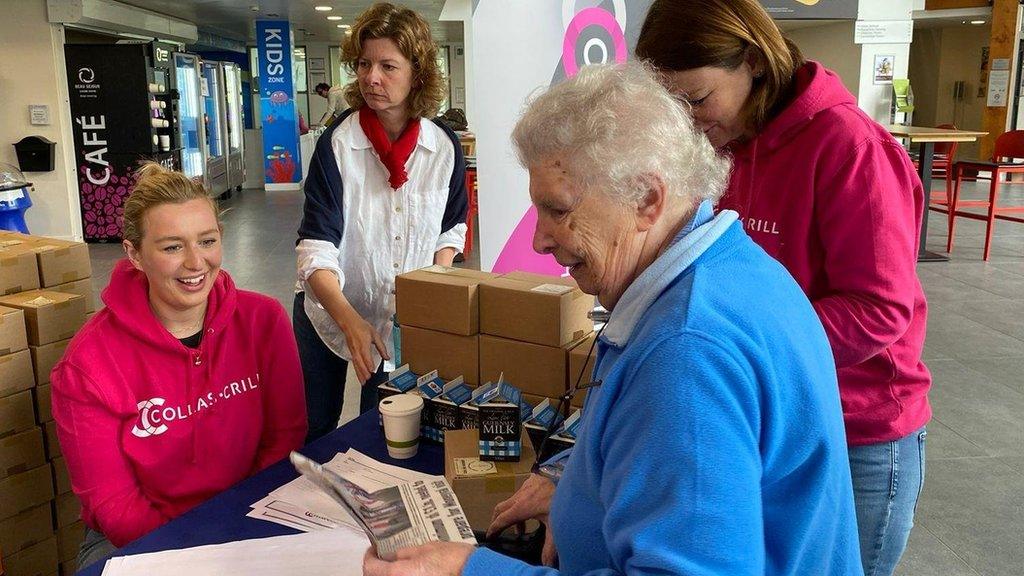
{"points": [[825, 190], [183, 385]]}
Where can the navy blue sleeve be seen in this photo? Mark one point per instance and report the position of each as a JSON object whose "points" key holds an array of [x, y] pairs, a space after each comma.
{"points": [[322, 218], [458, 199]]}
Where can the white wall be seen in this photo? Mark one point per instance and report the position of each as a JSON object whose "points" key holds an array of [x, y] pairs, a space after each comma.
{"points": [[876, 99], [317, 105], [32, 72], [831, 44]]}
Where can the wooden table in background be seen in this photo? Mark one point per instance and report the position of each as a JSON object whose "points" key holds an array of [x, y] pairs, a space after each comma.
{"points": [[926, 138]]}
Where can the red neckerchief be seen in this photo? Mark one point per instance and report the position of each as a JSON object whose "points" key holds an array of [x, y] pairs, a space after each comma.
{"points": [[395, 154]]}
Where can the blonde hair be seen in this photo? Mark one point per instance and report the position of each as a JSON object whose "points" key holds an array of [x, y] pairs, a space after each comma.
{"points": [[615, 127], [679, 36], [411, 33], [156, 185]]}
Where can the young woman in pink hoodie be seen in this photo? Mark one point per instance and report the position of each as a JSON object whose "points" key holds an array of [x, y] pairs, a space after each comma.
{"points": [[825, 190], [182, 385]]}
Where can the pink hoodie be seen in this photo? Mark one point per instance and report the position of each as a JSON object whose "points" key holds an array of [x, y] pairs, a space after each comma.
{"points": [[829, 193], [151, 428]]}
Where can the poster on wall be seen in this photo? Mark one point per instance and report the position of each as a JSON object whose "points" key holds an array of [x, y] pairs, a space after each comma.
{"points": [[884, 66], [811, 9], [281, 161], [563, 37]]}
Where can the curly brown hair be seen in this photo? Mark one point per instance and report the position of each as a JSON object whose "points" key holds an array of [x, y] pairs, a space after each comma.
{"points": [[411, 33]]}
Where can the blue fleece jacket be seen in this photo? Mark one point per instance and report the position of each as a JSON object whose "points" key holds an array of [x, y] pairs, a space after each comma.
{"points": [[715, 444]]}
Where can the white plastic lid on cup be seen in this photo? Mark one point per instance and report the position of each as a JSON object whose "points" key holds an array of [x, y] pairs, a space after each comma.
{"points": [[401, 405]]}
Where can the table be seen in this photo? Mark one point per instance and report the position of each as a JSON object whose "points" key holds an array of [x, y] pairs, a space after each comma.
{"points": [[222, 518], [926, 138]]}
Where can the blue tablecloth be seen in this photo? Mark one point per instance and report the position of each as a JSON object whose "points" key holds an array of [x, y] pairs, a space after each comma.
{"points": [[222, 518]]}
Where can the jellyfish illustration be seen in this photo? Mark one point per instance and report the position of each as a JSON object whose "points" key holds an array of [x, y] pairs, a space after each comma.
{"points": [[279, 97]]}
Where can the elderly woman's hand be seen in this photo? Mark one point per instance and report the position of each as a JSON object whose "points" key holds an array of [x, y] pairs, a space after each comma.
{"points": [[532, 500], [433, 559]]}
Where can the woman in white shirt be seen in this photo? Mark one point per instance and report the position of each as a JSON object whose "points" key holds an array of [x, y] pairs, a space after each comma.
{"points": [[385, 194]]}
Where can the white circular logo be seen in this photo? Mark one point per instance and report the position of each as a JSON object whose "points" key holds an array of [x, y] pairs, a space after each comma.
{"points": [[86, 75], [145, 427]]}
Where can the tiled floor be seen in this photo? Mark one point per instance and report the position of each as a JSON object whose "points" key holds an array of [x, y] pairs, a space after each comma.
{"points": [[971, 515]]}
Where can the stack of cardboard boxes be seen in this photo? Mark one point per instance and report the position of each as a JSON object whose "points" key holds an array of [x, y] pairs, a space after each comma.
{"points": [[533, 329], [45, 296]]}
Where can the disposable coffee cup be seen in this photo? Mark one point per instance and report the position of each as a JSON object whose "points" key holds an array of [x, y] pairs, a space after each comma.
{"points": [[401, 414], [165, 142]]}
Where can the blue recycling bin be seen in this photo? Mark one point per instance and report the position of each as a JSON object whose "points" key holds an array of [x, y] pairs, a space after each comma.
{"points": [[14, 200]]}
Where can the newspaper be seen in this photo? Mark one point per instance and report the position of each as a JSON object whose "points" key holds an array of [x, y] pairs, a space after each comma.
{"points": [[395, 517]]}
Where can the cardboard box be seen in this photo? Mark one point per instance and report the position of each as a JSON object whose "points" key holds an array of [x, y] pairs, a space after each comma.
{"points": [[66, 509], [501, 422], [69, 539], [61, 261], [13, 335], [82, 287], [440, 298], [68, 567], [49, 316], [37, 560], [534, 369], [479, 494], [17, 413], [52, 444], [581, 361], [24, 491], [44, 407], [21, 452], [61, 479], [534, 308], [25, 529], [45, 357], [450, 354], [16, 373], [18, 269]]}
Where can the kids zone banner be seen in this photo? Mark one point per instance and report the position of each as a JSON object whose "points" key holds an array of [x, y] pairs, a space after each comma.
{"points": [[281, 161], [518, 48]]}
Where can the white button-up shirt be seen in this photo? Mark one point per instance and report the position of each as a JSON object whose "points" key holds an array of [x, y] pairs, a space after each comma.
{"points": [[383, 232]]}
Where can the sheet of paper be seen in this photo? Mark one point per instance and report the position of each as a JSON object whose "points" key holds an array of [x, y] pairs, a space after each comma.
{"points": [[301, 505], [322, 553]]}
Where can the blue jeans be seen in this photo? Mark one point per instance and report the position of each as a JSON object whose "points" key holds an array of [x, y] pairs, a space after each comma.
{"points": [[324, 374], [887, 482]]}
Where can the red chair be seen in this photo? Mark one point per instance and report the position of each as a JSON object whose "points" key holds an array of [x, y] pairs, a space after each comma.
{"points": [[1009, 146], [472, 211], [942, 167]]}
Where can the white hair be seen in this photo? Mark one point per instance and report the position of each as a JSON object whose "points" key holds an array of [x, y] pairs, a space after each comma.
{"points": [[615, 127]]}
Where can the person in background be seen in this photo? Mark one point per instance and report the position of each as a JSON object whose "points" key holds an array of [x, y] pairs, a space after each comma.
{"points": [[831, 195], [182, 385], [336, 105], [385, 195], [714, 444]]}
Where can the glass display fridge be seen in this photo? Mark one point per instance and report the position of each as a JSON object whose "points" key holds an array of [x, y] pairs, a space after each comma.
{"points": [[235, 125], [188, 137], [122, 113], [214, 121]]}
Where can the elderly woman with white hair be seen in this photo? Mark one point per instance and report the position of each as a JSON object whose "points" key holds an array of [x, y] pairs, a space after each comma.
{"points": [[715, 442]]}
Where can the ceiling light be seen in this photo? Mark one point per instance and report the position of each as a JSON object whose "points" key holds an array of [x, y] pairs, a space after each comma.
{"points": [[323, 8], [342, 26], [977, 22], [334, 17]]}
